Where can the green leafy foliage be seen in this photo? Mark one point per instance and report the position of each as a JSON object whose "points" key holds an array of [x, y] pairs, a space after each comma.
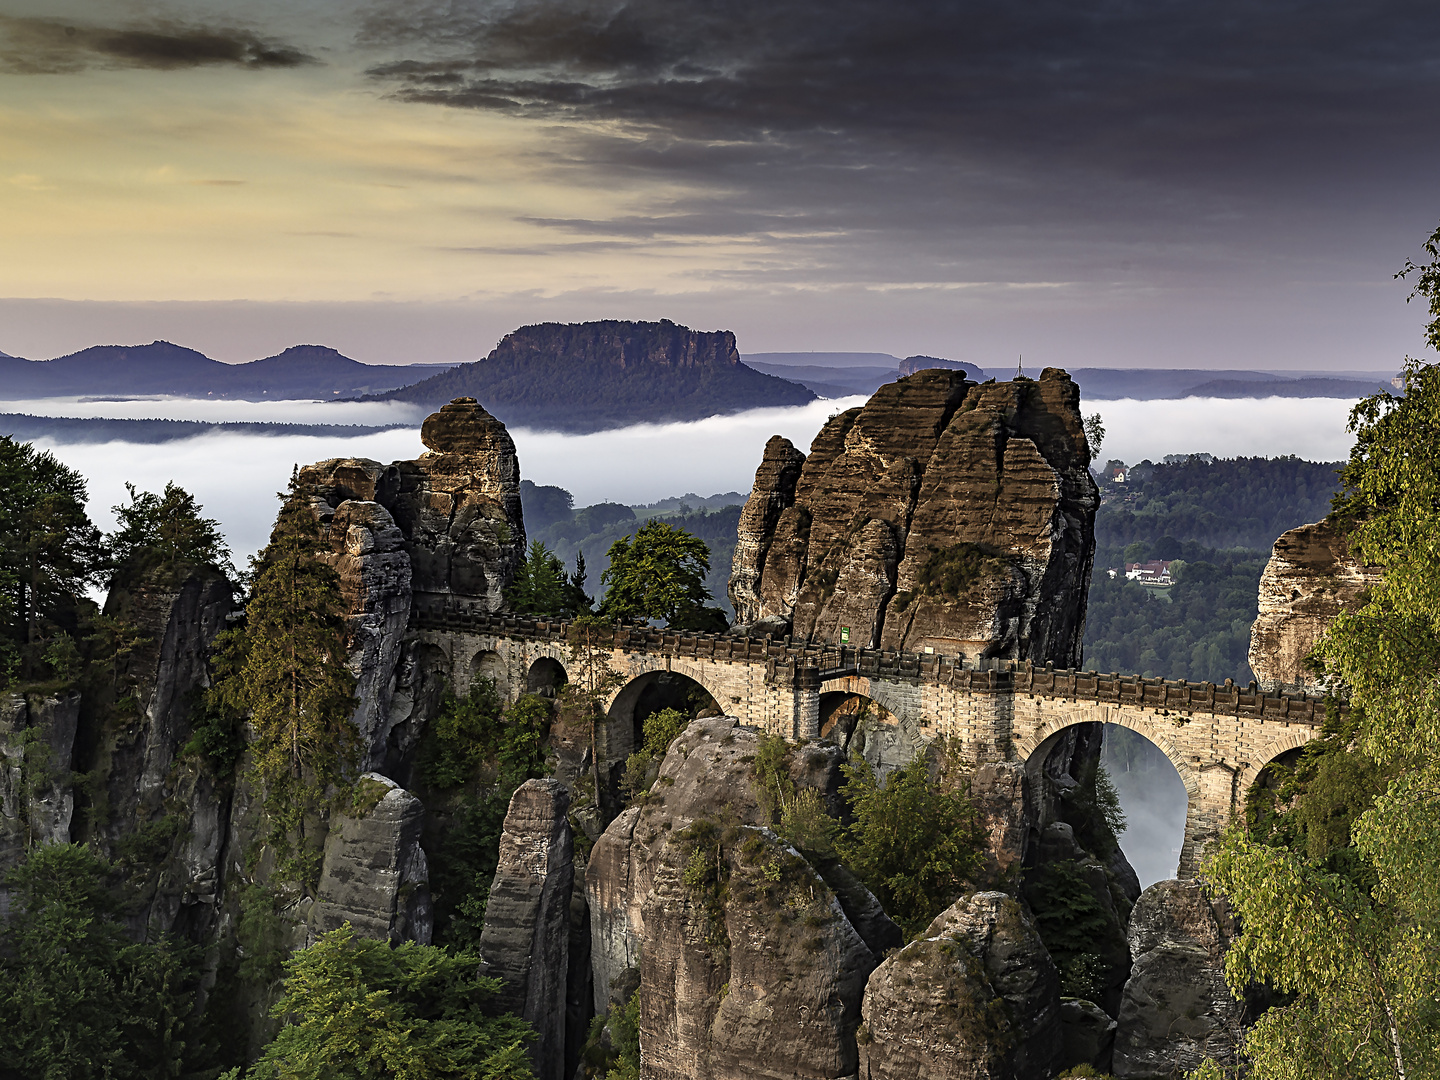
{"points": [[77, 999], [950, 572], [1356, 952], [542, 587], [1222, 504], [166, 533], [285, 670], [1202, 633], [1070, 920], [659, 730], [462, 736], [473, 742], [659, 573], [49, 552], [913, 840], [355, 1008], [1220, 519], [612, 1046]]}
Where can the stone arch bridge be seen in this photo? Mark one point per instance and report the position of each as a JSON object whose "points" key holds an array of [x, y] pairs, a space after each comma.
{"points": [[1217, 737]]}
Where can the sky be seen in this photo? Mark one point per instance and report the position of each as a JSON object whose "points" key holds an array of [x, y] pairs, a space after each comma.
{"points": [[1086, 182]]}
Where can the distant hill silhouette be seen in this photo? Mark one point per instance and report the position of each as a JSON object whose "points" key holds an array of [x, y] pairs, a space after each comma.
{"points": [[303, 371], [581, 377]]}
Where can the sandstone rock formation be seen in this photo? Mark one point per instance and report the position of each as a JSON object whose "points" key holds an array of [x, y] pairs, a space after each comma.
{"points": [[940, 514], [764, 983], [526, 939], [1177, 1010], [459, 506], [761, 946], [366, 548], [375, 875], [1310, 578], [976, 998], [774, 491]]}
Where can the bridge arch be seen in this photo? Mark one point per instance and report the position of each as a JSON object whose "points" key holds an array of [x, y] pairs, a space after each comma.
{"points": [[545, 677], [489, 664], [1035, 746], [646, 693], [1168, 801]]}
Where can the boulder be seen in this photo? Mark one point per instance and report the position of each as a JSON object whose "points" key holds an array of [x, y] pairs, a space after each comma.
{"points": [[1176, 1010], [940, 514], [1311, 577], [375, 875], [765, 955], [976, 998], [765, 982], [705, 774], [526, 938]]}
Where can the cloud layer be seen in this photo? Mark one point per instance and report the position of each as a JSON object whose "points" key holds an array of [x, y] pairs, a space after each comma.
{"points": [[825, 124], [44, 46]]}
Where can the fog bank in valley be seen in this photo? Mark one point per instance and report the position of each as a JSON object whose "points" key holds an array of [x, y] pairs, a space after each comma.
{"points": [[236, 476]]}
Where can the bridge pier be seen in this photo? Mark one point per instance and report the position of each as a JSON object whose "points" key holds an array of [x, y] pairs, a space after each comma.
{"points": [[806, 724]]}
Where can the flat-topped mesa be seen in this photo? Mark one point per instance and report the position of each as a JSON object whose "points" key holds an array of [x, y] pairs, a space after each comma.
{"points": [[940, 515], [1311, 577]]}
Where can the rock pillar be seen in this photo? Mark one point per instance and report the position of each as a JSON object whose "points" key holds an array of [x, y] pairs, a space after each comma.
{"points": [[526, 940]]}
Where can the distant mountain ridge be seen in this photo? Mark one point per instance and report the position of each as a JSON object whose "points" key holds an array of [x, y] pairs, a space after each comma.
{"points": [[162, 367], [584, 377]]}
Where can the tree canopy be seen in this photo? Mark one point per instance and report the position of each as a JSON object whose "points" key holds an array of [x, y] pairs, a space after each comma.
{"points": [[49, 552], [166, 531], [659, 573], [1352, 937], [285, 670], [355, 1009], [542, 587], [77, 998]]}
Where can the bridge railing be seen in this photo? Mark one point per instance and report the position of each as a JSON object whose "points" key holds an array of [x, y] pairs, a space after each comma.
{"points": [[972, 674]]}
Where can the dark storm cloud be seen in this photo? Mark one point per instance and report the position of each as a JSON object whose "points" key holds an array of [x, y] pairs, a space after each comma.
{"points": [[936, 134], [50, 46], [1138, 79]]}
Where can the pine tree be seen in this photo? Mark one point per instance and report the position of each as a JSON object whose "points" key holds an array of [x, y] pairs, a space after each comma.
{"points": [[286, 671]]}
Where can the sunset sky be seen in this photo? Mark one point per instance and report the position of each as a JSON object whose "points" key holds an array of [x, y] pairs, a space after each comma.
{"points": [[1129, 184]]}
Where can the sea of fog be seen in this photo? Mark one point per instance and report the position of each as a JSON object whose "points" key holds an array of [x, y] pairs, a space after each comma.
{"points": [[237, 477]]}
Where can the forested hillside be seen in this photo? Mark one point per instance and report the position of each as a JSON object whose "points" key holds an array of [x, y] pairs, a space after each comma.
{"points": [[1219, 519], [590, 530]]}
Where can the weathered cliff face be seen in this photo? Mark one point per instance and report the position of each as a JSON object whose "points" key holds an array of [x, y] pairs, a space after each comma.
{"points": [[374, 874], [137, 754], [976, 998], [37, 801], [774, 491], [722, 979], [367, 549], [764, 941], [526, 939], [459, 506], [1311, 577], [940, 514], [1177, 1010]]}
